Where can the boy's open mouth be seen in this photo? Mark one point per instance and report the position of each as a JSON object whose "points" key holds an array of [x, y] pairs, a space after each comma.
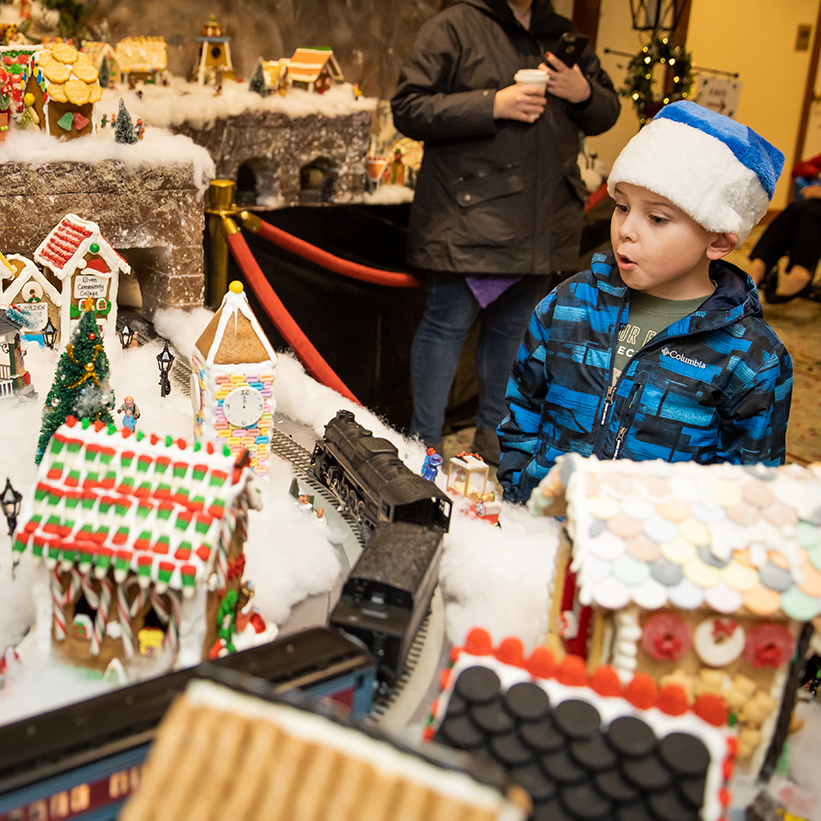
{"points": [[624, 262]]}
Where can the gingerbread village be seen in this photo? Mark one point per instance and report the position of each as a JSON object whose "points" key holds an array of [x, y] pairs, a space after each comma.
{"points": [[663, 632]]}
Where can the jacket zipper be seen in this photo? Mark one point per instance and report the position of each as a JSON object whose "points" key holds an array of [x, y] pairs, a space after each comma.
{"points": [[611, 390], [641, 379]]}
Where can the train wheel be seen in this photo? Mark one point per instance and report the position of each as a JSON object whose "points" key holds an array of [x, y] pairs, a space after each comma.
{"points": [[352, 501], [365, 524]]}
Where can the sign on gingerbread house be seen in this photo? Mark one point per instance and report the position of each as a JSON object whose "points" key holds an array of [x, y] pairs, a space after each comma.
{"points": [[24, 288], [233, 381], [699, 575], [138, 542], [86, 269]]}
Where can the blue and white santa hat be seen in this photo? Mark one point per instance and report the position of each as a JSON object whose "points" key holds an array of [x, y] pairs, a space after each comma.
{"points": [[719, 172]]}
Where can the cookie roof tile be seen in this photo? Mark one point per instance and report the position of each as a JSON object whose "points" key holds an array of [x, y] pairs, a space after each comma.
{"points": [[161, 508], [64, 249], [306, 64], [728, 538]]}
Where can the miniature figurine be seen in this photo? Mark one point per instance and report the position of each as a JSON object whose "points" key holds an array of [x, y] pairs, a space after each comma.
{"points": [[468, 476], [131, 411], [104, 121], [140, 94], [431, 465], [139, 128]]}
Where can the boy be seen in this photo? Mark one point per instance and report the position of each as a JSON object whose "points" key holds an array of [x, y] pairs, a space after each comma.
{"points": [[660, 350]]}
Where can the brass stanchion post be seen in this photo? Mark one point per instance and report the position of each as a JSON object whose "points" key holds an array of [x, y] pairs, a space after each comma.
{"points": [[221, 204]]}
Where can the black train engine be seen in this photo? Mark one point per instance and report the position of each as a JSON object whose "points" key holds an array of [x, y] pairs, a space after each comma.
{"points": [[388, 592], [367, 475]]}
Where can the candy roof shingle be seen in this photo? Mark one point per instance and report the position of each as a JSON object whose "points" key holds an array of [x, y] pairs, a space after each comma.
{"points": [[160, 508], [726, 538], [64, 249], [306, 64]]}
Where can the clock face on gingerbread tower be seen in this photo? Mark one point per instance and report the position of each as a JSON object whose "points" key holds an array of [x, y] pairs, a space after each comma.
{"points": [[232, 381]]}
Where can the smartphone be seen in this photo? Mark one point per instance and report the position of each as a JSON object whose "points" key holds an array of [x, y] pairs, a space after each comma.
{"points": [[570, 47]]}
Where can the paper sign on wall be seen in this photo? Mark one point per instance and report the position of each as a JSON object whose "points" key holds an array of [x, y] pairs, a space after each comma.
{"points": [[719, 94], [88, 286]]}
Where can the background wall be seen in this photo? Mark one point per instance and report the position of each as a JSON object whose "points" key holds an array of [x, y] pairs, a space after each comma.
{"points": [[755, 38]]}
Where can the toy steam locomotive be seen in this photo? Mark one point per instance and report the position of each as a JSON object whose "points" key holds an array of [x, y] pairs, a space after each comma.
{"points": [[367, 475]]}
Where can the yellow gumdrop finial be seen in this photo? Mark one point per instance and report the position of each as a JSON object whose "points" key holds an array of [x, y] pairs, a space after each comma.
{"points": [[236, 287], [29, 99]]}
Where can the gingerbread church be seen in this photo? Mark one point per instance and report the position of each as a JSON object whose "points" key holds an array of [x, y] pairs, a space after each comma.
{"points": [[138, 543], [233, 368], [698, 575]]}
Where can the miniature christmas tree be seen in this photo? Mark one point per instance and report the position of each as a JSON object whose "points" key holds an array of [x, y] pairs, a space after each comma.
{"points": [[105, 73], [124, 130], [80, 386], [258, 80]]}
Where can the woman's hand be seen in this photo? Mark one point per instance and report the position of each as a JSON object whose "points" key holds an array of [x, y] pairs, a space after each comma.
{"points": [[565, 82], [519, 102]]}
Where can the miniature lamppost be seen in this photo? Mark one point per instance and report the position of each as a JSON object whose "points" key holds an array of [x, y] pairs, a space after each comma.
{"points": [[127, 334], [165, 359], [10, 500], [50, 334]]}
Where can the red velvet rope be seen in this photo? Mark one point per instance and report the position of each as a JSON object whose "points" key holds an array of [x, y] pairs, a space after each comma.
{"points": [[307, 354], [353, 270]]}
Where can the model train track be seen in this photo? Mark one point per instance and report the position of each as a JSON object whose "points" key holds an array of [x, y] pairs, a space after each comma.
{"points": [[392, 706]]}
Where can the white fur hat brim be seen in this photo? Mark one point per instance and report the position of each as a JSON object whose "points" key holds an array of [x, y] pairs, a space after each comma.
{"points": [[696, 172]]}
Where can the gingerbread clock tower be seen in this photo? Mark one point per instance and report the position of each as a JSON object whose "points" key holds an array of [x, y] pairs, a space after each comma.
{"points": [[233, 380]]}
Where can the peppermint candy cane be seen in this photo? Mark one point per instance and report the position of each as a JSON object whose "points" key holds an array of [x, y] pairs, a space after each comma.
{"points": [[128, 611], [168, 615], [102, 604], [60, 598]]}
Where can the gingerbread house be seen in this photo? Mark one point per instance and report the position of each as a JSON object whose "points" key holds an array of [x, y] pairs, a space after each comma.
{"points": [[224, 753], [585, 745], [98, 50], [24, 288], [15, 380], [214, 64], [138, 542], [86, 270], [142, 59], [64, 88], [314, 69], [233, 368], [274, 75], [701, 575], [16, 63]]}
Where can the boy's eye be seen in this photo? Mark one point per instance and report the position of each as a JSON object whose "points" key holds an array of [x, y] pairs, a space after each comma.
{"points": [[621, 207], [658, 220]]}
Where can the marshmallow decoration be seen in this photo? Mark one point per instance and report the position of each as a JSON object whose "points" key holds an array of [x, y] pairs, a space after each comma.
{"points": [[719, 172]]}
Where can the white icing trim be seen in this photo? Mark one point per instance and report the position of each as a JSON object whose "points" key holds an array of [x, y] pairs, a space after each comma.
{"points": [[626, 643]]}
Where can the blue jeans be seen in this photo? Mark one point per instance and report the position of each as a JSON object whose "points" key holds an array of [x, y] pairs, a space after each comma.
{"points": [[449, 313]]}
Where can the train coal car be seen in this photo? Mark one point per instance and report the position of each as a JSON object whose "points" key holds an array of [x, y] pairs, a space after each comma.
{"points": [[388, 592], [368, 476]]}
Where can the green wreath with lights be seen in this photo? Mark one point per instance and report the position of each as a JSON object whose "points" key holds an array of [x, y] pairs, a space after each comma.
{"points": [[639, 82]]}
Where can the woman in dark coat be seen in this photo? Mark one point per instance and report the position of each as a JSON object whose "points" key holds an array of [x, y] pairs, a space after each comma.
{"points": [[499, 201]]}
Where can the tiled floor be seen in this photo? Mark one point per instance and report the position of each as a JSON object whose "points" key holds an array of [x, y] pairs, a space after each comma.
{"points": [[798, 324]]}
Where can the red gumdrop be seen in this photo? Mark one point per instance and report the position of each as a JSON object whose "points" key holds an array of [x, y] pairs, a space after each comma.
{"points": [[724, 797], [541, 663], [729, 769], [154, 438], [126, 433], [572, 671], [711, 708], [605, 681], [478, 642], [434, 709], [428, 733], [732, 747], [71, 421], [672, 700], [641, 691], [99, 425], [454, 654], [444, 678], [511, 651], [182, 444]]}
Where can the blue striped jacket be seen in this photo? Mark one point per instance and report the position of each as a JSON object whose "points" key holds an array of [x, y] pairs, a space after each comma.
{"points": [[713, 387]]}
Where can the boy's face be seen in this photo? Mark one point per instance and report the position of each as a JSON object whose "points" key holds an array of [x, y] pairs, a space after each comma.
{"points": [[659, 249]]}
